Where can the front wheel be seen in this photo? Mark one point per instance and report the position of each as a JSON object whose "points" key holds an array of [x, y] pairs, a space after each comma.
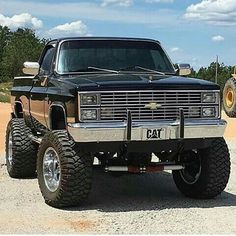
{"points": [[206, 172], [64, 172]]}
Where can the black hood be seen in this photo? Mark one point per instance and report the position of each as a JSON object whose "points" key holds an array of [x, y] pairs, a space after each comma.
{"points": [[136, 81]]}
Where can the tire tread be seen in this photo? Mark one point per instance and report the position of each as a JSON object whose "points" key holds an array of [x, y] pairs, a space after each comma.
{"points": [[24, 150], [215, 176], [76, 171], [231, 112]]}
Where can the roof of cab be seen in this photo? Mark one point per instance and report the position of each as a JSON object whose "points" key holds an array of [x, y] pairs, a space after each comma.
{"points": [[105, 38]]}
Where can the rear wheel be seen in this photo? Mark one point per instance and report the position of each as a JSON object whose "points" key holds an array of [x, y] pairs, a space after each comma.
{"points": [[64, 172], [229, 97], [206, 172], [20, 150]]}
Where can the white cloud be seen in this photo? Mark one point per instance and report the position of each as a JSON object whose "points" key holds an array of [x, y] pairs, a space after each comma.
{"points": [[175, 49], [76, 28], [218, 12], [121, 3], [218, 38], [92, 11], [159, 1], [21, 20]]}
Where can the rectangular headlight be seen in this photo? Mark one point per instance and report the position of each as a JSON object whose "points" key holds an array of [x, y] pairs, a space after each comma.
{"points": [[89, 114], [209, 112], [209, 97], [89, 99]]}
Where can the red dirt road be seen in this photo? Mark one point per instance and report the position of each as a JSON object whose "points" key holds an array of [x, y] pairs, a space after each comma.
{"points": [[5, 110], [230, 132]]}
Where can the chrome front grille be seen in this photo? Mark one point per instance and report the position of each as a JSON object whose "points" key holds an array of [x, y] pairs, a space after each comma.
{"points": [[114, 105], [148, 105]]}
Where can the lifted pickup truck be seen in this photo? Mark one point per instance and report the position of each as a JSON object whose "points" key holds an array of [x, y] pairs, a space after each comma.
{"points": [[120, 100]]}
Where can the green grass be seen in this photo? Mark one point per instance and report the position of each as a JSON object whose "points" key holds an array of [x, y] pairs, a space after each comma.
{"points": [[5, 87], [5, 91], [4, 97]]}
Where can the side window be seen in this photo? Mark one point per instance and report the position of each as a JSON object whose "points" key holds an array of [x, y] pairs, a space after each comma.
{"points": [[47, 61]]}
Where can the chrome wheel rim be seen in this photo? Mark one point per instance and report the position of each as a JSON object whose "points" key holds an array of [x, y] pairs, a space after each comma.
{"points": [[51, 169], [9, 156], [192, 168]]}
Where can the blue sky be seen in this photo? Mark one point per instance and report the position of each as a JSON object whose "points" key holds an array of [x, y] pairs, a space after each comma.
{"points": [[191, 31]]}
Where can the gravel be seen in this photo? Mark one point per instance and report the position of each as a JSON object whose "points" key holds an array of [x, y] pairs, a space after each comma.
{"points": [[131, 204]]}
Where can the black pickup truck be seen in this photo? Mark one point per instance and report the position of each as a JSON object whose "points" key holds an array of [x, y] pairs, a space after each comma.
{"points": [[121, 102]]}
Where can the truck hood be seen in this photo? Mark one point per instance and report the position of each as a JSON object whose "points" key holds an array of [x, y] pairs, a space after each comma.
{"points": [[136, 81]]}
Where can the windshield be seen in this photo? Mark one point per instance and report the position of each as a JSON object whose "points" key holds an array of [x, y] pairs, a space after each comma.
{"points": [[119, 55]]}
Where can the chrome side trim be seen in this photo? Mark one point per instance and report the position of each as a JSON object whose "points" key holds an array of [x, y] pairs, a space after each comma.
{"points": [[23, 77]]}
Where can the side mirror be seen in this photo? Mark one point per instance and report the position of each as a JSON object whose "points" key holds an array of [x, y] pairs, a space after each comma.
{"points": [[31, 68], [184, 69]]}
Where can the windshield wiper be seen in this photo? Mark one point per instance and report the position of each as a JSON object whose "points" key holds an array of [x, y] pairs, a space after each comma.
{"points": [[103, 69], [142, 68], [89, 68]]}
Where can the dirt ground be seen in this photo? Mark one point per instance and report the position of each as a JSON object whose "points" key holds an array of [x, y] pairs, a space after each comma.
{"points": [[131, 204], [5, 110]]}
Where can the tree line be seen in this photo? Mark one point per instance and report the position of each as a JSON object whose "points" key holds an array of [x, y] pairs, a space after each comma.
{"points": [[209, 73], [16, 47], [22, 45]]}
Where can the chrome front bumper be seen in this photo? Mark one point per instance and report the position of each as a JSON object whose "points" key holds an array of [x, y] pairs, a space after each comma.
{"points": [[117, 131]]}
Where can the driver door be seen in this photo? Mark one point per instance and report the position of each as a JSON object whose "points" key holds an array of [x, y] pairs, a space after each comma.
{"points": [[38, 93]]}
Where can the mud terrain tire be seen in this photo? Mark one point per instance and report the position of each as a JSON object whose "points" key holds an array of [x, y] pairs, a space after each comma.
{"points": [[214, 172], [21, 152], [75, 175], [229, 97]]}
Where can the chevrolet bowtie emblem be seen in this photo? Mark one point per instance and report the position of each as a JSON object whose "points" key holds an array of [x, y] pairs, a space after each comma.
{"points": [[152, 106]]}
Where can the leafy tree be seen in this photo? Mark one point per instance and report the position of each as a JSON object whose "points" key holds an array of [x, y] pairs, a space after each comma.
{"points": [[209, 73], [23, 46], [5, 35], [17, 47], [193, 73]]}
